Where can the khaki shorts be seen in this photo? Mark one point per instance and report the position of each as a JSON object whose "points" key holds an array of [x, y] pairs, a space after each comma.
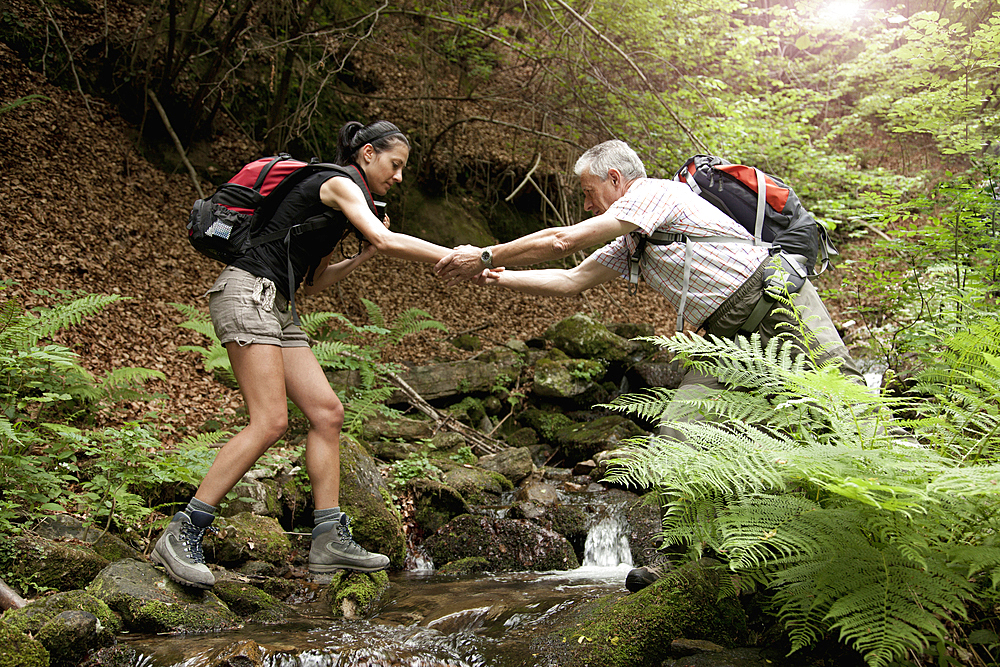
{"points": [[247, 310]]}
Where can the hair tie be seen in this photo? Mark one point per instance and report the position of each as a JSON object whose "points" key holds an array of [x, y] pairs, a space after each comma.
{"points": [[385, 134]]}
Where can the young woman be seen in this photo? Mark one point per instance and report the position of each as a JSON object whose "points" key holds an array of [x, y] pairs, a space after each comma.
{"points": [[271, 357]]}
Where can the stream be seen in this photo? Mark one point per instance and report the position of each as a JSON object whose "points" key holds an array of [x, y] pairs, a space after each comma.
{"points": [[426, 619]]}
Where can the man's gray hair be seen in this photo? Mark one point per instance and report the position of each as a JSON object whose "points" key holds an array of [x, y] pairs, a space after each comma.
{"points": [[614, 154]]}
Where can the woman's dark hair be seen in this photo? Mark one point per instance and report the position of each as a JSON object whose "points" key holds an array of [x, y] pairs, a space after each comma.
{"points": [[381, 134]]}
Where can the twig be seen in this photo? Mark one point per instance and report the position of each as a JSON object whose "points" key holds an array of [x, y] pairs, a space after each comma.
{"points": [[9, 599], [72, 65], [597, 33], [538, 160], [177, 143], [478, 440], [485, 325]]}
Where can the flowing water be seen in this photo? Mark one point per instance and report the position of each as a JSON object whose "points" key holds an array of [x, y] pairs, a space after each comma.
{"points": [[427, 620]]}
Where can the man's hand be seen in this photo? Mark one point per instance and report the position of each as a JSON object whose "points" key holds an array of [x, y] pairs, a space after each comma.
{"points": [[463, 263]]}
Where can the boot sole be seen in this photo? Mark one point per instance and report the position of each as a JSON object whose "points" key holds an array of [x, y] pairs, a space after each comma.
{"points": [[155, 557]]}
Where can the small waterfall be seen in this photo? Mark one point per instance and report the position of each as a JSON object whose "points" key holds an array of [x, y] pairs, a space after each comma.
{"points": [[607, 544], [417, 559]]}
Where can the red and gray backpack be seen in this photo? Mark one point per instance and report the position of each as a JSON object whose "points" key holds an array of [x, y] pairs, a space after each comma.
{"points": [[226, 225], [768, 209]]}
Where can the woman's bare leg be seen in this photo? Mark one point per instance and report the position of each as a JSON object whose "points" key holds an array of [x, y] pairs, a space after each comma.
{"points": [[260, 371], [309, 389]]}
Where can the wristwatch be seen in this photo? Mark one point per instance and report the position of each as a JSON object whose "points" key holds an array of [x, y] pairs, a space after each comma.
{"points": [[487, 257]]}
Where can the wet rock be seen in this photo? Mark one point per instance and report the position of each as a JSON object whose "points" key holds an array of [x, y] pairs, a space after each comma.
{"points": [[106, 545], [473, 565], [643, 525], [68, 624], [581, 441], [435, 503], [684, 646], [148, 601], [50, 565], [355, 595], [537, 491], [365, 498], [621, 630], [508, 545], [19, 650], [117, 655], [660, 373], [581, 337], [736, 657], [585, 467], [476, 485], [244, 653], [246, 537], [250, 603], [514, 463]]}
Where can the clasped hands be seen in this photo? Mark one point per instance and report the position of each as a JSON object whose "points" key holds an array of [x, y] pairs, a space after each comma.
{"points": [[462, 264]]}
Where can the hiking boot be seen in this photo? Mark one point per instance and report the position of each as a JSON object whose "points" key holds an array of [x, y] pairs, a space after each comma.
{"points": [[179, 551], [333, 548]]}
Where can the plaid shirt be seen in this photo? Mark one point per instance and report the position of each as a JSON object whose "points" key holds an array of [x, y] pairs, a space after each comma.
{"points": [[717, 269]]}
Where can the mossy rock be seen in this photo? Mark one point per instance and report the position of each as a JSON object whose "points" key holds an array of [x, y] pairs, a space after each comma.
{"points": [[476, 485], [108, 546], [471, 565], [118, 655], [19, 650], [31, 618], [583, 338], [250, 603], [49, 565], [247, 536], [580, 441], [621, 630], [148, 601], [508, 545], [259, 496], [467, 342], [365, 498], [522, 437], [355, 595], [546, 424], [435, 504], [468, 411], [71, 635]]}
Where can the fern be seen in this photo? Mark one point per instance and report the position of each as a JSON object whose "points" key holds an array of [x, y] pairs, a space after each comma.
{"points": [[803, 484]]}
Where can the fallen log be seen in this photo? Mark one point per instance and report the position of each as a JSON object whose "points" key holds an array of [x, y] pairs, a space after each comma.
{"points": [[9, 599]]}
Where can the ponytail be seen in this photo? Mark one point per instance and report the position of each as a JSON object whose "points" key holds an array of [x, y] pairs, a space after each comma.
{"points": [[354, 136]]}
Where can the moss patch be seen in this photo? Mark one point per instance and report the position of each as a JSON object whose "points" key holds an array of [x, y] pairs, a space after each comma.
{"points": [[250, 603], [19, 650], [31, 618], [356, 594]]}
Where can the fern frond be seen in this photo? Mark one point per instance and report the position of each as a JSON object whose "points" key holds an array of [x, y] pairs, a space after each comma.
{"points": [[129, 377], [204, 439], [647, 405], [411, 321], [374, 311], [364, 405]]}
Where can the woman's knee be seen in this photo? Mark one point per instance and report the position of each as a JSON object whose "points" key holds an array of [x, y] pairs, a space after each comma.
{"points": [[329, 416], [271, 427]]}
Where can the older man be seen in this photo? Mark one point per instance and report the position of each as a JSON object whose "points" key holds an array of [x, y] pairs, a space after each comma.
{"points": [[714, 280]]}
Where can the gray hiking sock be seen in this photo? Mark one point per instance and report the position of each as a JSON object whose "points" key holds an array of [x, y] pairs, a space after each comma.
{"points": [[202, 514], [325, 520]]}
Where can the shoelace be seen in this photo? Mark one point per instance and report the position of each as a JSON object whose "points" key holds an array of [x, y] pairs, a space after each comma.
{"points": [[192, 536], [344, 530]]}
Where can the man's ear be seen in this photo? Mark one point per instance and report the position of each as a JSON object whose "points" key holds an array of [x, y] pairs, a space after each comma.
{"points": [[615, 177]]}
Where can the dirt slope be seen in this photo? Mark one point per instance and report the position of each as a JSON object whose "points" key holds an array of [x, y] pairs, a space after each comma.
{"points": [[80, 209]]}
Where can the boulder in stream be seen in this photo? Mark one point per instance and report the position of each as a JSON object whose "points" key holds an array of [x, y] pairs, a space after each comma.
{"points": [[629, 630], [149, 601], [355, 595], [68, 624], [508, 545], [51, 565], [245, 537]]}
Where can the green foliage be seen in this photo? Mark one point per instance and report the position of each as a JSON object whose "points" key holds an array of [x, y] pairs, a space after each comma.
{"points": [[340, 345], [803, 486], [27, 99], [48, 464]]}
